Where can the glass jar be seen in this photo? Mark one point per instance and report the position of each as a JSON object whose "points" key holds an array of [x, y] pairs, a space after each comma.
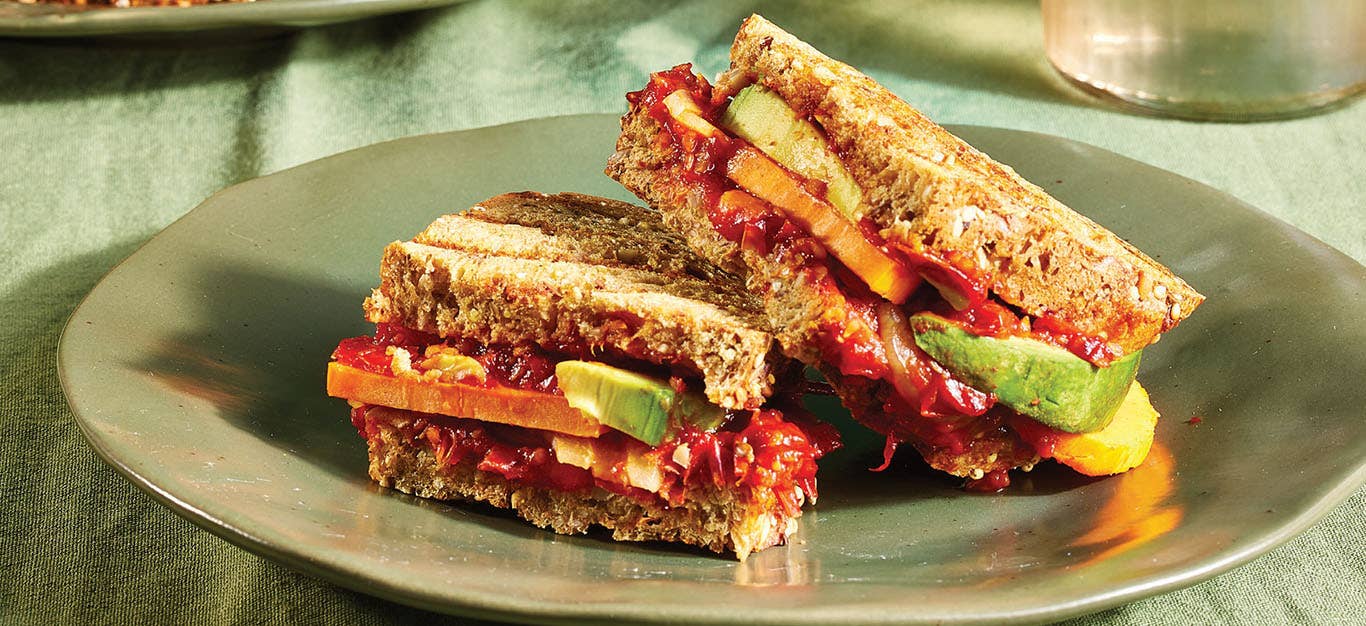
{"points": [[1211, 59]]}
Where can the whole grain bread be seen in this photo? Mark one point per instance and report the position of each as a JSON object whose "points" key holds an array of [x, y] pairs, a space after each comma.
{"points": [[573, 270], [932, 192], [718, 519], [792, 296]]}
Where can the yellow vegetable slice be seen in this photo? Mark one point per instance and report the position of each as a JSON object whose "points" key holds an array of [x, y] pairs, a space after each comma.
{"points": [[1120, 446]]}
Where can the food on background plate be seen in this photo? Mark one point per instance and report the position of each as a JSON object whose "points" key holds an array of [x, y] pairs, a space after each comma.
{"points": [[952, 304], [130, 3], [569, 358]]}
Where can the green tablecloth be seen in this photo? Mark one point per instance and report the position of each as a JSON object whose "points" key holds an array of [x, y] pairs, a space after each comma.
{"points": [[106, 142]]}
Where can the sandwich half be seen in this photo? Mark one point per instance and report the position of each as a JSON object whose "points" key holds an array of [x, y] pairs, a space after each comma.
{"points": [[569, 358], [952, 304]]}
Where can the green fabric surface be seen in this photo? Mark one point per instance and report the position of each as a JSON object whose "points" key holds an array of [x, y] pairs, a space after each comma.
{"points": [[105, 142]]}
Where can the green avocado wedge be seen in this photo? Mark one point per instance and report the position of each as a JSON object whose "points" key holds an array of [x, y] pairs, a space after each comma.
{"points": [[632, 403], [1045, 382], [762, 118]]}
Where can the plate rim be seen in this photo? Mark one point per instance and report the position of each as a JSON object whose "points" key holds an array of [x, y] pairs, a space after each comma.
{"points": [[99, 22], [482, 605]]}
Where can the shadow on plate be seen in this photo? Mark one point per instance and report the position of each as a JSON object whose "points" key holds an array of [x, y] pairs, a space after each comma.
{"points": [[259, 356]]}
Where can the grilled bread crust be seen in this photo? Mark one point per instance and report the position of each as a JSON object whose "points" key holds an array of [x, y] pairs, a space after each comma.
{"points": [[933, 193], [570, 270], [792, 299], [718, 519]]}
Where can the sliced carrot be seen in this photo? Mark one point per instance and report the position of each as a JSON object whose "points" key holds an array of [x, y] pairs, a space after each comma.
{"points": [[764, 178], [503, 405]]}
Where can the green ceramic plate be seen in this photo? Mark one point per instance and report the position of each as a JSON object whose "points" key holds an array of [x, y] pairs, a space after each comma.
{"points": [[196, 369], [55, 20]]}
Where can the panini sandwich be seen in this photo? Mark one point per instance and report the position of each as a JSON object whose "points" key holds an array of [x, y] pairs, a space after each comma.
{"points": [[952, 304], [569, 358]]}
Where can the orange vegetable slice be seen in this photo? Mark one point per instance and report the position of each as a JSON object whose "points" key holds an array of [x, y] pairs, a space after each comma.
{"points": [[764, 178], [503, 405]]}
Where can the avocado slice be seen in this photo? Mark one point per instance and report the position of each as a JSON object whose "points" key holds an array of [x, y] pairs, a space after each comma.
{"points": [[632, 403], [1042, 381], [762, 118]]}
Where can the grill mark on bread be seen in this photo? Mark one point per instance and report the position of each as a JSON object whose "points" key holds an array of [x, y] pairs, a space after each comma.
{"points": [[580, 228]]}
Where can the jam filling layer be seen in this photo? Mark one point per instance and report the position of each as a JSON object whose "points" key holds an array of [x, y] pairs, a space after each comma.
{"points": [[397, 350], [769, 459]]}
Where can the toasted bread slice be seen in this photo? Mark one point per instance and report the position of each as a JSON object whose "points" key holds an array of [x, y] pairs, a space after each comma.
{"points": [[932, 192], [569, 271], [794, 298], [719, 518]]}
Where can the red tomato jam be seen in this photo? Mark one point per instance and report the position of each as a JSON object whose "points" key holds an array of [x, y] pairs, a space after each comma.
{"points": [[760, 228], [993, 481], [759, 451], [1043, 438], [949, 430], [943, 272], [523, 366], [520, 457], [953, 434], [985, 317], [701, 159], [855, 342], [1057, 332]]}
